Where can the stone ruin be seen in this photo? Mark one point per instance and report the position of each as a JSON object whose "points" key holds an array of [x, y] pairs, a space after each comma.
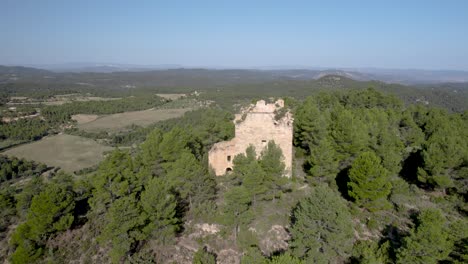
{"points": [[256, 125]]}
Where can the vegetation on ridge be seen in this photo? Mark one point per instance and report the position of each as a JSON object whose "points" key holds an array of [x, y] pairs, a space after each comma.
{"points": [[374, 181]]}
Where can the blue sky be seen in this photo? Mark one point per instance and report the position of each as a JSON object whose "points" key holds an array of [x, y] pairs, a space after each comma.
{"points": [[384, 34]]}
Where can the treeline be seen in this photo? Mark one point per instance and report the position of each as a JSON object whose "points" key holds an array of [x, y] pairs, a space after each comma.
{"points": [[14, 168], [20, 110], [27, 129], [63, 113], [34, 88]]}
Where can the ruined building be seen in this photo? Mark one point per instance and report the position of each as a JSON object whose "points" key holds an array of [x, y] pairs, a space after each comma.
{"points": [[256, 125]]}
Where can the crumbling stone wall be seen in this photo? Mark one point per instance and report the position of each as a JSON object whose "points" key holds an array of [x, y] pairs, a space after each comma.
{"points": [[255, 126]]}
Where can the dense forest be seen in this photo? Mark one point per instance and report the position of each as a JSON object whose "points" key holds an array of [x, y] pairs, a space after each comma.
{"points": [[375, 180]]}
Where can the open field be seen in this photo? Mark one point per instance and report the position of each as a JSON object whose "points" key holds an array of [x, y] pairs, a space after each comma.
{"points": [[71, 153], [83, 119], [119, 121]]}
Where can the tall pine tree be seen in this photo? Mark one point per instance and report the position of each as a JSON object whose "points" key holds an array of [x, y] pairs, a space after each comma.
{"points": [[369, 184]]}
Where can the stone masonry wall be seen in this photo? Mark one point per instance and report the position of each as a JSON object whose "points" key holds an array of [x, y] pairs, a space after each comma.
{"points": [[257, 129]]}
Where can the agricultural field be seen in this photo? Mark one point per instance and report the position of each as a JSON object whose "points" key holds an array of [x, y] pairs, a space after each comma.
{"points": [[117, 122], [57, 99], [71, 153]]}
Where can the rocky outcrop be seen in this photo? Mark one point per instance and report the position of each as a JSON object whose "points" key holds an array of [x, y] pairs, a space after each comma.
{"points": [[275, 240]]}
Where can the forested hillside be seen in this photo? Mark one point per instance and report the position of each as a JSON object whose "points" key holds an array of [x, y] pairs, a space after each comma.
{"points": [[375, 180], [224, 85]]}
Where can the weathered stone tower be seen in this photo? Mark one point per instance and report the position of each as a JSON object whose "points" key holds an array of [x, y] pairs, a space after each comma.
{"points": [[255, 126]]}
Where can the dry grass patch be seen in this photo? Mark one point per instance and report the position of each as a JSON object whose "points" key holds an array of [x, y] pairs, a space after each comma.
{"points": [[71, 153], [120, 121], [83, 119]]}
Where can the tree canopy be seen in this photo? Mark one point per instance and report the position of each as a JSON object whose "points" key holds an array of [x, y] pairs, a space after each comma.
{"points": [[321, 230]]}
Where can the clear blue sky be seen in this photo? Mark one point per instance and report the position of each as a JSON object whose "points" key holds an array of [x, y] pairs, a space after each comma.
{"points": [[385, 34]]}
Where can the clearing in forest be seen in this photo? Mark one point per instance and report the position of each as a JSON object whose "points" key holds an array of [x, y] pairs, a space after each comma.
{"points": [[71, 153], [120, 121]]}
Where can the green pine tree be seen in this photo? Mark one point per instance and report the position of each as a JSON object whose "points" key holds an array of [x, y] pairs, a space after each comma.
{"points": [[322, 229], [323, 160], [427, 243], [237, 203], [368, 182], [159, 206], [202, 256]]}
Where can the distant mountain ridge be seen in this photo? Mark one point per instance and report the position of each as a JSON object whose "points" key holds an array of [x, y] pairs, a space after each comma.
{"points": [[408, 77], [21, 70], [104, 67]]}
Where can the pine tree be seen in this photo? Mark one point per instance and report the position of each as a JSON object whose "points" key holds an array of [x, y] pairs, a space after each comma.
{"points": [[310, 124], [183, 174], [124, 222], [202, 256], [321, 229], [51, 211], [384, 137], [428, 242], [411, 133], [253, 256], [323, 160], [159, 210], [349, 133], [248, 173], [369, 252], [445, 151], [368, 182], [115, 178], [173, 143], [237, 203], [272, 162]]}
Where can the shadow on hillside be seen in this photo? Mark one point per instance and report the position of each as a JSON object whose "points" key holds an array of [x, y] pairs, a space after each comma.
{"points": [[342, 180], [409, 171], [80, 213]]}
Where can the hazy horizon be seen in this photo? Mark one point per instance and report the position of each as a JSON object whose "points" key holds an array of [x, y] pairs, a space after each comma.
{"points": [[420, 35], [80, 65]]}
